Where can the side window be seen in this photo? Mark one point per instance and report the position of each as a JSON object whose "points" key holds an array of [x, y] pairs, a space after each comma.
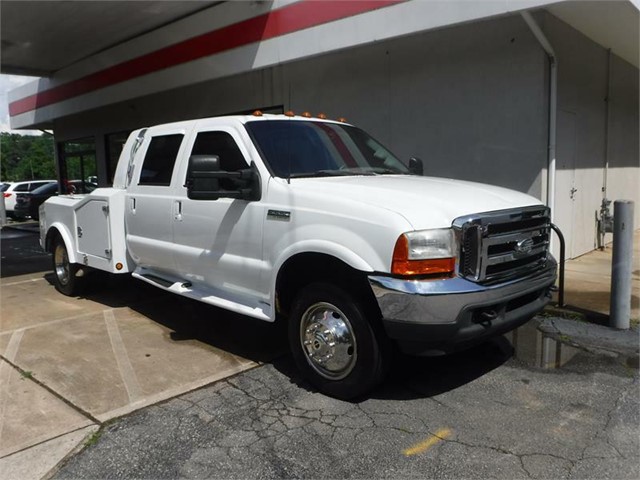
{"points": [[23, 187], [160, 159], [35, 185], [224, 146]]}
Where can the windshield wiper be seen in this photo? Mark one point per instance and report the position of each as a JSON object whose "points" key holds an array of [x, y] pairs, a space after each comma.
{"points": [[330, 173], [385, 171]]}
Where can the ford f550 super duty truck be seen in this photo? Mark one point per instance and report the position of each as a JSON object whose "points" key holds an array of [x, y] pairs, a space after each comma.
{"points": [[314, 222]]}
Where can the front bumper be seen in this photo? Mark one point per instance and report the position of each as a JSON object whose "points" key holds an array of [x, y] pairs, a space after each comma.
{"points": [[439, 316]]}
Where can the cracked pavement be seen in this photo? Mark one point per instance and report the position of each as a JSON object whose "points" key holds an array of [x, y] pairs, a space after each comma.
{"points": [[502, 418]]}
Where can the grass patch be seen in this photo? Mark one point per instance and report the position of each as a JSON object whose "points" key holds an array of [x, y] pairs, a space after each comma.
{"points": [[93, 439], [26, 374], [551, 312]]}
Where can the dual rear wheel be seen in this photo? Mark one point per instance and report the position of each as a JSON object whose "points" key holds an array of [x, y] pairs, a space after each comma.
{"points": [[64, 272]]}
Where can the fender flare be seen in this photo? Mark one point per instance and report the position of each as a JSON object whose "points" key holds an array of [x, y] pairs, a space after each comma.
{"points": [[63, 231], [322, 247]]}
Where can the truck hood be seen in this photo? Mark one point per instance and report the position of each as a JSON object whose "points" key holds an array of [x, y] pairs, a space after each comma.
{"points": [[425, 202]]}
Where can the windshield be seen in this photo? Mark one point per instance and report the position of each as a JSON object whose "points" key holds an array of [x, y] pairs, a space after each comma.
{"points": [[317, 149]]}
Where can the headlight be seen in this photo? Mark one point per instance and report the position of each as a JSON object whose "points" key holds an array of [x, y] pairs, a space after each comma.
{"points": [[425, 252]]}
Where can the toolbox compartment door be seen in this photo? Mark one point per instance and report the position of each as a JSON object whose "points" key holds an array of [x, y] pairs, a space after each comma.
{"points": [[92, 229]]}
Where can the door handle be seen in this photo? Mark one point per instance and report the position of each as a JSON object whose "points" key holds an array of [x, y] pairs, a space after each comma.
{"points": [[133, 206], [178, 211]]}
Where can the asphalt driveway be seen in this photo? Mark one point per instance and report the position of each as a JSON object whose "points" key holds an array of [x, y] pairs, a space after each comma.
{"points": [[480, 414]]}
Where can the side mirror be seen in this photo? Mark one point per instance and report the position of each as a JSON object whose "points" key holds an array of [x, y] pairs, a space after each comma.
{"points": [[205, 180], [201, 184], [416, 167]]}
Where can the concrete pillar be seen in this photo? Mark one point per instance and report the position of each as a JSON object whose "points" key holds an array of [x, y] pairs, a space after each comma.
{"points": [[620, 308]]}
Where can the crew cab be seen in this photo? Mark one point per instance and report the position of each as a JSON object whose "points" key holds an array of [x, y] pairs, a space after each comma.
{"points": [[313, 222]]}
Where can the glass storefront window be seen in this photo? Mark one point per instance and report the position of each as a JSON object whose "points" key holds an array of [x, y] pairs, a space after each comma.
{"points": [[115, 142], [78, 167]]}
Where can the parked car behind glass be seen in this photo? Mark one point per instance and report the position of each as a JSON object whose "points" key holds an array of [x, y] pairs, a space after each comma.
{"points": [[28, 203], [15, 188]]}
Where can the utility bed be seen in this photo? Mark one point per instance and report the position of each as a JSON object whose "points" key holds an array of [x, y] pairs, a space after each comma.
{"points": [[92, 225]]}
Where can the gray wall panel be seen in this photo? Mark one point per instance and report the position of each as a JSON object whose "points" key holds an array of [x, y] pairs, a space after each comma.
{"points": [[582, 90], [469, 100]]}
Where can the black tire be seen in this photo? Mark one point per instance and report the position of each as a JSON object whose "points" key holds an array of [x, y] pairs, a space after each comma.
{"points": [[335, 327], [64, 273]]}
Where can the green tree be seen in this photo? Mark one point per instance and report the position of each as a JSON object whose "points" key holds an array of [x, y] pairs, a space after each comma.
{"points": [[26, 157]]}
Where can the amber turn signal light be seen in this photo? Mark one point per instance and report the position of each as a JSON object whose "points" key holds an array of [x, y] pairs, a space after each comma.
{"points": [[401, 265]]}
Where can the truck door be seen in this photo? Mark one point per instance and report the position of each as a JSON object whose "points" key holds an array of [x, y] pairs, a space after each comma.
{"points": [[218, 243], [149, 202]]}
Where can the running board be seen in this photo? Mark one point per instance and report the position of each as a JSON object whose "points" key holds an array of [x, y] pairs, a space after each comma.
{"points": [[236, 303]]}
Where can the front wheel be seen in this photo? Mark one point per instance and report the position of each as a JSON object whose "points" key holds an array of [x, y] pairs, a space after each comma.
{"points": [[64, 273], [334, 344]]}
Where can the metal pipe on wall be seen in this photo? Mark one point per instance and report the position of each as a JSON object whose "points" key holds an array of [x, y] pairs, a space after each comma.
{"points": [[553, 107], [607, 101]]}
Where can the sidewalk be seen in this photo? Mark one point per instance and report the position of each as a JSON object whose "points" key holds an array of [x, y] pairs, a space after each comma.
{"points": [[588, 283]]}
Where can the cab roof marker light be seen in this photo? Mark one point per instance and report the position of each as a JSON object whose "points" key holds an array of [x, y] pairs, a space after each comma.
{"points": [[257, 113], [342, 120], [306, 115], [322, 116], [289, 113]]}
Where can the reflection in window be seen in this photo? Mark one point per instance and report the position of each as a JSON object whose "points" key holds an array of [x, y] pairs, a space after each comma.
{"points": [[78, 167], [160, 160], [115, 142]]}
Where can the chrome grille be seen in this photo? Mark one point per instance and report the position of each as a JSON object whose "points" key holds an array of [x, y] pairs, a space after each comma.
{"points": [[502, 245]]}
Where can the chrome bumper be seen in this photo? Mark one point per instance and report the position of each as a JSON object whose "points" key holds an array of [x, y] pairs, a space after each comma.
{"points": [[446, 314]]}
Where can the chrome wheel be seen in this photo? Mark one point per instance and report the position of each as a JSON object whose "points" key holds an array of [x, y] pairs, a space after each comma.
{"points": [[61, 264], [328, 341]]}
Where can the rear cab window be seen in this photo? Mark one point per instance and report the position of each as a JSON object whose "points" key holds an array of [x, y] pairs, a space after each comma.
{"points": [[160, 159]]}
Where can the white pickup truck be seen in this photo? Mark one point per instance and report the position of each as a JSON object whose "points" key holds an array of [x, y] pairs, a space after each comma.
{"points": [[314, 222]]}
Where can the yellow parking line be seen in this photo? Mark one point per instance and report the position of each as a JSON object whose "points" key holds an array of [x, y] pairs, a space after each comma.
{"points": [[425, 445]]}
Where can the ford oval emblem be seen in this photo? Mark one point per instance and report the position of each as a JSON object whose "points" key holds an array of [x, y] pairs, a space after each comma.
{"points": [[524, 247]]}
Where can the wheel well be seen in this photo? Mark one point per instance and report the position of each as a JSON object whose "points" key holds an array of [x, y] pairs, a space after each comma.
{"points": [[52, 234], [306, 268]]}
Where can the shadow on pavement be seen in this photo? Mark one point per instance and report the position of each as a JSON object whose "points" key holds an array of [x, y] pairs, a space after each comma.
{"points": [[259, 341], [21, 253], [188, 319], [419, 377], [412, 377]]}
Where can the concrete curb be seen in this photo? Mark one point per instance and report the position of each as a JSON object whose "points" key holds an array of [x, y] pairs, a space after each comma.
{"points": [[598, 339]]}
